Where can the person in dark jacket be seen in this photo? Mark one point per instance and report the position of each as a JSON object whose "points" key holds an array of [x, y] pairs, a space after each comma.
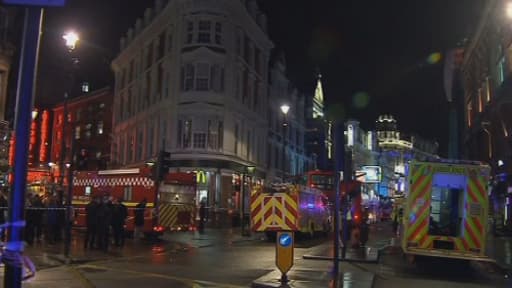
{"points": [[139, 218], [119, 214], [37, 205], [104, 218], [52, 220], [91, 223]]}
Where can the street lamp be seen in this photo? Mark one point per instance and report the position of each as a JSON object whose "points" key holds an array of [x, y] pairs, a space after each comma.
{"points": [[71, 39], [285, 108]]}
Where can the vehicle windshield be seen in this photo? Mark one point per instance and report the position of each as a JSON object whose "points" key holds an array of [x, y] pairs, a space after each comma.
{"points": [[323, 181]]}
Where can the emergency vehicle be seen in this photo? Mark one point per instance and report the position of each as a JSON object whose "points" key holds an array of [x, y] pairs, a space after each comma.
{"points": [[445, 211], [309, 213], [170, 205]]}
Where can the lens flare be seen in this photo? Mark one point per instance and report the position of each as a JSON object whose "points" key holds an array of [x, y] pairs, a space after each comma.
{"points": [[361, 100], [434, 58]]}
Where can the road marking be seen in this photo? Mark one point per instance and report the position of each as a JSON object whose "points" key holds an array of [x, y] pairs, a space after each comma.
{"points": [[187, 281], [86, 282]]}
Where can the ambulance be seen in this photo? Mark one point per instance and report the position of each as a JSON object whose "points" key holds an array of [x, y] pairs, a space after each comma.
{"points": [[445, 211]]}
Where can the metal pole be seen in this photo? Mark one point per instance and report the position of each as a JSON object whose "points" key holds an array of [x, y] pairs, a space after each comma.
{"points": [[339, 150], [69, 200], [23, 117], [63, 143], [242, 202]]}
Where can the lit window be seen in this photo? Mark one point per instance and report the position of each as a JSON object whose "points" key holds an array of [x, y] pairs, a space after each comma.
{"points": [[77, 132], [501, 70], [85, 87], [100, 127]]}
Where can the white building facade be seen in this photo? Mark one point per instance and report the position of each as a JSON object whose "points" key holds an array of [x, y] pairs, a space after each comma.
{"points": [[191, 79]]}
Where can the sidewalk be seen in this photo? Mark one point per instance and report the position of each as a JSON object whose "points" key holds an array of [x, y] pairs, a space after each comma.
{"points": [[500, 249]]}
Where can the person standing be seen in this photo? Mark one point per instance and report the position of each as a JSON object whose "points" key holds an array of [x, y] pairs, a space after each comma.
{"points": [[202, 216], [91, 223], [37, 206], [139, 218], [119, 214]]}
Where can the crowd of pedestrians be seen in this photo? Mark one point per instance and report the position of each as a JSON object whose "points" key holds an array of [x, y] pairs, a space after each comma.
{"points": [[45, 220], [105, 217]]}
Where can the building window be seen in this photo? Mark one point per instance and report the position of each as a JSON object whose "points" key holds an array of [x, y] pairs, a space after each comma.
{"points": [[151, 139], [257, 62], [248, 146], [140, 142], [256, 90], [199, 140], [190, 32], [469, 113], [188, 77], [161, 45], [149, 55], [218, 33], [88, 128], [100, 127], [148, 89], [238, 44], [132, 70], [245, 86], [488, 89], [159, 79], [480, 100], [204, 29], [501, 70], [236, 138], [184, 133], [217, 78], [169, 42], [77, 132], [85, 87], [202, 77]]}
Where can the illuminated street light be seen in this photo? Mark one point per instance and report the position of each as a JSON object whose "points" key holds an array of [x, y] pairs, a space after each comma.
{"points": [[71, 39], [285, 108], [509, 10]]}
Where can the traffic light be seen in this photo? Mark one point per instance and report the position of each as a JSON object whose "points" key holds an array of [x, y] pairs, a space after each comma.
{"points": [[163, 164]]}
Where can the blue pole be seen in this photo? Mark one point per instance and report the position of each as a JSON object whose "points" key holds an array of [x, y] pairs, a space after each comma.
{"points": [[339, 153], [24, 105]]}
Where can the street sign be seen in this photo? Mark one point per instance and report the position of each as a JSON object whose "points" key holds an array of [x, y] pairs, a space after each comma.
{"points": [[41, 3], [284, 251]]}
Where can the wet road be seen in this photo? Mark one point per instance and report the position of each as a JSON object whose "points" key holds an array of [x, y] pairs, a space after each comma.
{"points": [[225, 259]]}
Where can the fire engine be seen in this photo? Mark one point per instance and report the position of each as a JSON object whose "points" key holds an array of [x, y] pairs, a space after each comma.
{"points": [[445, 213], [311, 214], [170, 205]]}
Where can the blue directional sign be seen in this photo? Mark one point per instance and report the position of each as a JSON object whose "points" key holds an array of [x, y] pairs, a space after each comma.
{"points": [[285, 239], [41, 3]]}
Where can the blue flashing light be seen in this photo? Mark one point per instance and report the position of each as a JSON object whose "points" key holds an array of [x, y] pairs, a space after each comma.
{"points": [[41, 3], [311, 206]]}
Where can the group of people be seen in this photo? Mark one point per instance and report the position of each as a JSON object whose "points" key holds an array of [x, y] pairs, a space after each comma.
{"points": [[44, 218], [103, 216]]}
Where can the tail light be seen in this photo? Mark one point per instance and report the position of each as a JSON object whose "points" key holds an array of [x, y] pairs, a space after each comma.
{"points": [[158, 229]]}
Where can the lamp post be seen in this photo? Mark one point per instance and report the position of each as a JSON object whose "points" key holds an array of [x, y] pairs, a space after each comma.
{"points": [[71, 39], [284, 109]]}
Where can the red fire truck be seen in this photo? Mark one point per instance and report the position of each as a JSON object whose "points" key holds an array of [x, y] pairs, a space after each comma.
{"points": [[170, 205]]}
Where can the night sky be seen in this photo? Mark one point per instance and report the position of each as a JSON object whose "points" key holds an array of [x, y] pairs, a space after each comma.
{"points": [[373, 55]]}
